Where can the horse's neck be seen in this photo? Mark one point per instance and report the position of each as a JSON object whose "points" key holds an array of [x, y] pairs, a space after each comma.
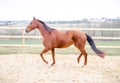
{"points": [[42, 30]]}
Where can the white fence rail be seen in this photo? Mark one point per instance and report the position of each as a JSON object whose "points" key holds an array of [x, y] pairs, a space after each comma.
{"points": [[23, 37]]}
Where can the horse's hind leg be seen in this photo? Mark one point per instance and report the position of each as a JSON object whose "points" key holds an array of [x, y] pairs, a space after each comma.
{"points": [[82, 50], [85, 57], [78, 59]]}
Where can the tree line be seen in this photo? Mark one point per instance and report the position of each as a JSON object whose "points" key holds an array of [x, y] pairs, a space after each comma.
{"points": [[93, 22]]}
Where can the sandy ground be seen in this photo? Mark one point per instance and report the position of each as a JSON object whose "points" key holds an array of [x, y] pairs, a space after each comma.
{"points": [[29, 68]]}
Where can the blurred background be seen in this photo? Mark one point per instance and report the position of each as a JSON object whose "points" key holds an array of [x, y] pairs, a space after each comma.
{"points": [[98, 18]]}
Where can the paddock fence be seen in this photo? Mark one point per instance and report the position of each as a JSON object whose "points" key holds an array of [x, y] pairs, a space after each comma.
{"points": [[23, 36]]}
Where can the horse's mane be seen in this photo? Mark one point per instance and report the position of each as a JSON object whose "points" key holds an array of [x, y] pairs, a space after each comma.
{"points": [[46, 26]]}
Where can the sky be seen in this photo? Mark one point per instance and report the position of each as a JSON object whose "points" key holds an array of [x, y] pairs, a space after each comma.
{"points": [[51, 10]]}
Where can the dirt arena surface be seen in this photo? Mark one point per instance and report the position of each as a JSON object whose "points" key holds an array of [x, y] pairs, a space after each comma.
{"points": [[29, 68]]}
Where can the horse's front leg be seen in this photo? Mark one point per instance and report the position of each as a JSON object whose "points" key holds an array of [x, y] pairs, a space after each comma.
{"points": [[53, 56], [41, 54]]}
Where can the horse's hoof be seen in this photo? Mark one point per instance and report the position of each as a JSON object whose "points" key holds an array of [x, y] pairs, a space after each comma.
{"points": [[46, 62], [78, 62], [85, 64], [52, 64]]}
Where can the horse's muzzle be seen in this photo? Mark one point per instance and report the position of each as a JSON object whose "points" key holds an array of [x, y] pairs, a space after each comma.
{"points": [[26, 31]]}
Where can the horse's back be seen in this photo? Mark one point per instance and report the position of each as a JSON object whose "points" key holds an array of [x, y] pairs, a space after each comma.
{"points": [[70, 34]]}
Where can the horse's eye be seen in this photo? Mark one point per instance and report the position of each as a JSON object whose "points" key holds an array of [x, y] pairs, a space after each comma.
{"points": [[31, 23]]}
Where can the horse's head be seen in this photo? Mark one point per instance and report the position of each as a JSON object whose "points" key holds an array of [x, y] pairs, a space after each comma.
{"points": [[32, 25]]}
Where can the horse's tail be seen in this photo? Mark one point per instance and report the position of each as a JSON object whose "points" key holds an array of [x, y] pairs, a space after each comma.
{"points": [[93, 46]]}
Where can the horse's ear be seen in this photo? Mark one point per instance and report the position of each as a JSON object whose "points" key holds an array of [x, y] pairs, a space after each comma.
{"points": [[34, 18]]}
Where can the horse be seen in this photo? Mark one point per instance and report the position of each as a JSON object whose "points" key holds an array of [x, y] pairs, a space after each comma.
{"points": [[53, 38]]}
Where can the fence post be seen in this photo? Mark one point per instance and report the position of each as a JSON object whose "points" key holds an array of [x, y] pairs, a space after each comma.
{"points": [[23, 41]]}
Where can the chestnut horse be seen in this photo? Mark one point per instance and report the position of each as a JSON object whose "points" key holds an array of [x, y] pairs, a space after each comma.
{"points": [[53, 38]]}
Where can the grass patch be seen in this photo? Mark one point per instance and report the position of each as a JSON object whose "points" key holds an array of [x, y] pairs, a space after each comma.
{"points": [[70, 50]]}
